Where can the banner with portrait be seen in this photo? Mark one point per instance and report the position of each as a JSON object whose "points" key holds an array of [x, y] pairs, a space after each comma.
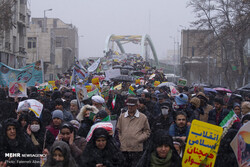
{"points": [[30, 74]]}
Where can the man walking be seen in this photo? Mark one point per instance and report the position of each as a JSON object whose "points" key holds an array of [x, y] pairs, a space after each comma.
{"points": [[133, 129]]}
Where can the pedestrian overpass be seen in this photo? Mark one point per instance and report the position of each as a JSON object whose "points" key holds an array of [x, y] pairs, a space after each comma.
{"points": [[144, 41]]}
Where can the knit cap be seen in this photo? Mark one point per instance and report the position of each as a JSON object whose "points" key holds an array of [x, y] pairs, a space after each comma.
{"points": [[181, 99], [57, 114]]}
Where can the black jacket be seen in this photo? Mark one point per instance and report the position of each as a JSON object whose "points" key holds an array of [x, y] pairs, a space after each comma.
{"points": [[212, 116]]}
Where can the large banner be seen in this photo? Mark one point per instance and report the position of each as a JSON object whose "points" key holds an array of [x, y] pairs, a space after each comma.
{"points": [[202, 144], [94, 66], [30, 74]]}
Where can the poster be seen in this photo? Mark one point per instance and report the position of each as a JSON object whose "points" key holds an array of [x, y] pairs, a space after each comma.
{"points": [[33, 105], [182, 82], [17, 89], [81, 94], [200, 144], [241, 145], [112, 73], [30, 74]]}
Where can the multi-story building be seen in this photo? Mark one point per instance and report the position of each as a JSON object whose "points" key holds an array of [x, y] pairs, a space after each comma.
{"points": [[13, 41], [197, 60], [53, 41]]}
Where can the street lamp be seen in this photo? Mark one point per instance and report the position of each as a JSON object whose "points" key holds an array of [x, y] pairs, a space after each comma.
{"points": [[45, 19], [174, 53]]}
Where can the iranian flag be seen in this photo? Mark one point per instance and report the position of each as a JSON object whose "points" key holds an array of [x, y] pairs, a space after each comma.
{"points": [[229, 119], [113, 102]]}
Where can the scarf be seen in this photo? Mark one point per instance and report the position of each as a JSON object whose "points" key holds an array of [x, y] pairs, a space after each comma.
{"points": [[33, 138], [159, 162]]}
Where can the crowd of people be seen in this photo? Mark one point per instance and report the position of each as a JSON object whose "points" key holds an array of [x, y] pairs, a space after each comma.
{"points": [[151, 126]]}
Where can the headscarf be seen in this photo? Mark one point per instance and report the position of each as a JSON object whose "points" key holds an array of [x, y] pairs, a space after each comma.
{"points": [[68, 159]]}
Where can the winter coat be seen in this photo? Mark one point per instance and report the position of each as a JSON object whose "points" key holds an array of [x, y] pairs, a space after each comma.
{"points": [[68, 159], [174, 130], [110, 156], [159, 138], [212, 116], [41, 135], [133, 132], [206, 110], [162, 123]]}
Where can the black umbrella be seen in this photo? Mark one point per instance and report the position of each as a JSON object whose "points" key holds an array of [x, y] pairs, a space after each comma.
{"points": [[128, 67], [116, 66], [138, 73], [246, 87], [123, 78]]}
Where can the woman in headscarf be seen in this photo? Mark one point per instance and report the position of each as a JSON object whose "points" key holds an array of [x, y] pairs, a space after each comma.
{"points": [[102, 151], [14, 140], [237, 109], [60, 156], [41, 137], [86, 122], [160, 152], [76, 143]]}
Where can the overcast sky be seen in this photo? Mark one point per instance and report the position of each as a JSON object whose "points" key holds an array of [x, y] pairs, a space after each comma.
{"points": [[96, 19]]}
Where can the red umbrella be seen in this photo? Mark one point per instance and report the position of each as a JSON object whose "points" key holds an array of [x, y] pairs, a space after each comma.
{"points": [[223, 90]]}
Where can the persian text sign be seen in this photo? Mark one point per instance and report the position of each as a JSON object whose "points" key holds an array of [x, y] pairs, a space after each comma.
{"points": [[30, 74], [200, 144]]}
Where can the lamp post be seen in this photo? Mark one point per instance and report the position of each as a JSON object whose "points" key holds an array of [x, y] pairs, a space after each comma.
{"points": [[45, 19], [174, 53]]}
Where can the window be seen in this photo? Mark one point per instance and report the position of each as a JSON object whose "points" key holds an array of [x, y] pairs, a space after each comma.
{"points": [[31, 42]]}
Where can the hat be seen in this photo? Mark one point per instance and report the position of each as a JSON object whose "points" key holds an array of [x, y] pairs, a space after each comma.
{"points": [[181, 99], [73, 102], [132, 101], [161, 96], [75, 123], [195, 101], [201, 94], [102, 114], [57, 114], [165, 105], [98, 99], [236, 105]]}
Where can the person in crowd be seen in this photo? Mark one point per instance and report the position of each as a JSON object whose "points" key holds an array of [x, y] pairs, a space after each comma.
{"points": [[218, 114], [165, 120], [143, 109], [115, 107], [85, 121], [57, 120], [245, 107], [179, 145], [23, 120], [67, 97], [180, 129], [76, 143], [161, 152], [100, 151], [204, 106], [133, 129], [226, 156], [74, 109], [195, 106], [245, 119], [98, 102], [67, 116], [60, 155], [14, 140], [237, 110], [6, 105], [181, 102], [40, 136]]}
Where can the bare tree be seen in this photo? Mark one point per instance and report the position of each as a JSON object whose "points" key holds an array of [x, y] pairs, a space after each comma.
{"points": [[6, 13], [230, 22]]}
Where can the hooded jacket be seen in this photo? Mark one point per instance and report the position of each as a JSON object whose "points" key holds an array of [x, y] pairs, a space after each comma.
{"points": [[110, 156], [68, 159], [21, 144], [158, 139]]}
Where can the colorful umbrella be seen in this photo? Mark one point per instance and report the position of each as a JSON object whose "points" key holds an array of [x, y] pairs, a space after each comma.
{"points": [[223, 90]]}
